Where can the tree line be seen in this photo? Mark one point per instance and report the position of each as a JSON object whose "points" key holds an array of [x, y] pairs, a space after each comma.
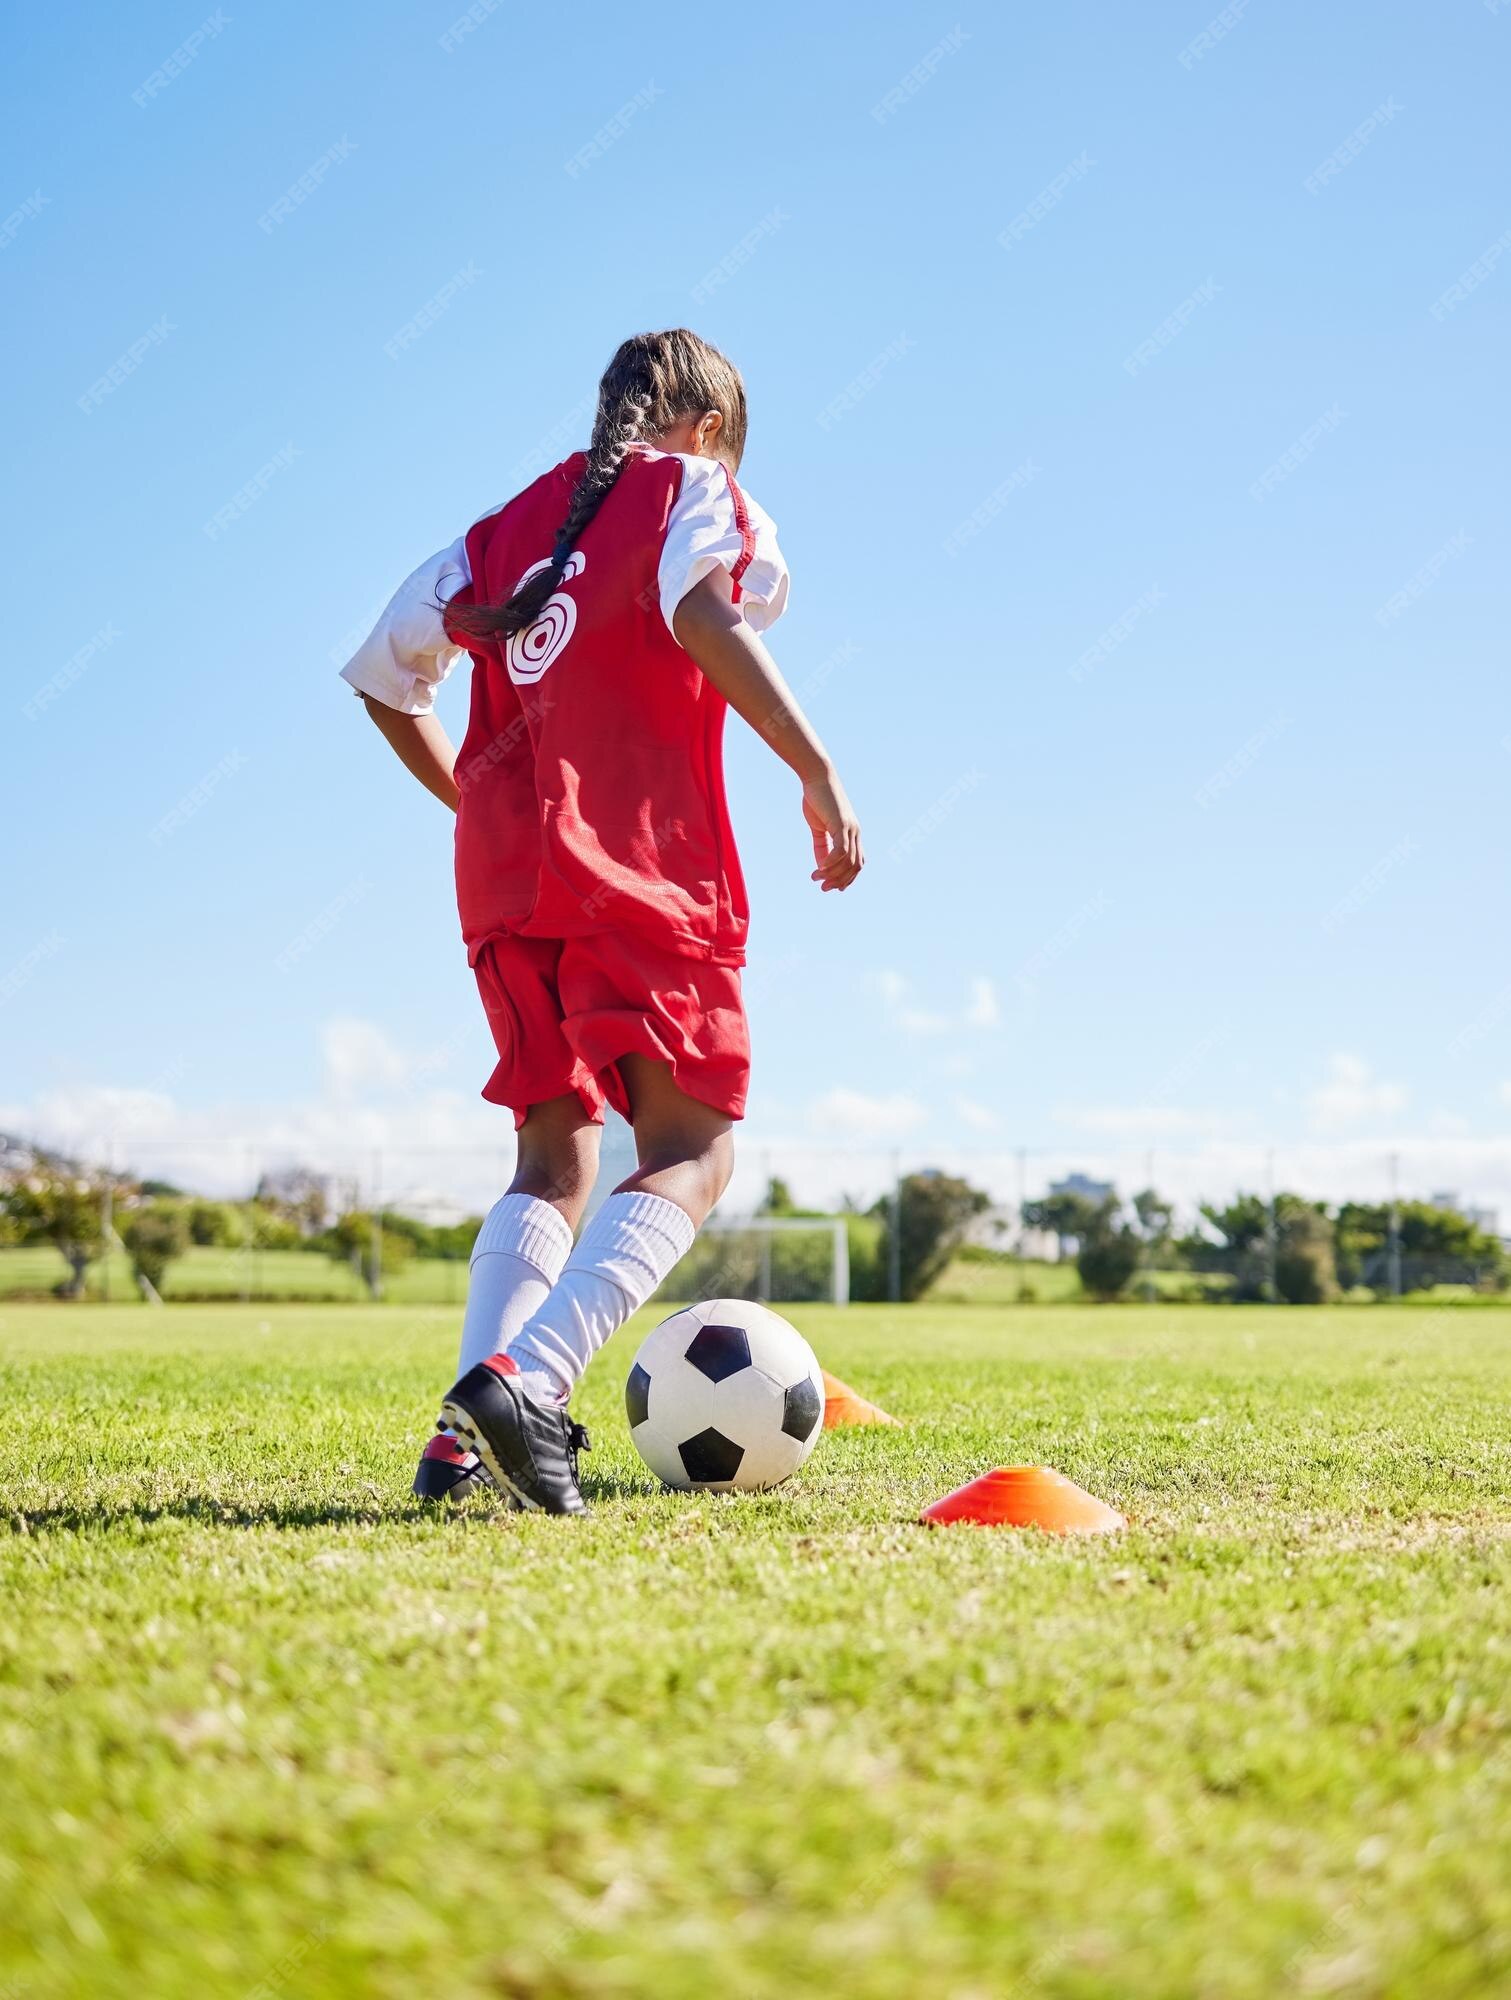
{"points": [[76, 1209], [1287, 1248], [1284, 1248]]}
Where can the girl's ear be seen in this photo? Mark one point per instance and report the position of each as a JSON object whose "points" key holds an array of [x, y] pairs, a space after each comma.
{"points": [[706, 433]]}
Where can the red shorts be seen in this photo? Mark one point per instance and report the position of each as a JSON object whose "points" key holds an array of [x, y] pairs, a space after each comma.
{"points": [[563, 1011]]}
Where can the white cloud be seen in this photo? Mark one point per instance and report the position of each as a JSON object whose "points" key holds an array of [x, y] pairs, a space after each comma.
{"points": [[358, 1056], [1135, 1121], [1352, 1094], [975, 1115], [979, 1007], [851, 1114], [917, 1021], [372, 1101]]}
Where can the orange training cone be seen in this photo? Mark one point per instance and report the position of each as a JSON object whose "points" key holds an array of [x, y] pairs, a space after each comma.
{"points": [[1026, 1496], [843, 1407]]}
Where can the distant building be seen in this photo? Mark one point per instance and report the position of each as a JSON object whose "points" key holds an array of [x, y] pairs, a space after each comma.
{"points": [[1096, 1192], [430, 1206], [1486, 1219], [994, 1229]]}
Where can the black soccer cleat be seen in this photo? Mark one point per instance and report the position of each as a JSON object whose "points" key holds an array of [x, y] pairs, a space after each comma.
{"points": [[529, 1448], [448, 1472]]}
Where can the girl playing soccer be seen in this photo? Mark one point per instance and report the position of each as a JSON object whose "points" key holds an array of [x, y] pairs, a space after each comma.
{"points": [[612, 611]]}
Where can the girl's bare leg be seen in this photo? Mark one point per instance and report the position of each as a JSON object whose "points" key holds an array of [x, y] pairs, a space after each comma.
{"points": [[558, 1156], [686, 1148]]}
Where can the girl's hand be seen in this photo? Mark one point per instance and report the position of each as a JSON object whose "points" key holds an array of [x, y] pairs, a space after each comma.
{"points": [[836, 832]]}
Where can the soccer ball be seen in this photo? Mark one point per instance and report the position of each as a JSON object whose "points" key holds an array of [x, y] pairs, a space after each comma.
{"points": [[725, 1395]]}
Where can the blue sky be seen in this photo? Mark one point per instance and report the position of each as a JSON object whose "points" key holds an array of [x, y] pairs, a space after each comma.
{"points": [[1128, 386]]}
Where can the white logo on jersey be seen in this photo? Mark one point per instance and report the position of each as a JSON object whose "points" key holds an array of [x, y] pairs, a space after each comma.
{"points": [[530, 652]]}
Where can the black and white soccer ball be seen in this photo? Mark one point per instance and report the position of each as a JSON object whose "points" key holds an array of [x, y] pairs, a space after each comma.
{"points": [[725, 1395]]}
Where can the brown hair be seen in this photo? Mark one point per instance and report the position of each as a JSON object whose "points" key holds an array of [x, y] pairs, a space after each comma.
{"points": [[655, 380]]}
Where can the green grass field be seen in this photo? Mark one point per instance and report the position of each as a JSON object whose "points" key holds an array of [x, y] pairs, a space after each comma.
{"points": [[266, 1730], [203, 1273]]}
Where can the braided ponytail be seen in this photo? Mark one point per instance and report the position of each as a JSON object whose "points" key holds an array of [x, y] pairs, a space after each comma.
{"points": [[655, 381]]}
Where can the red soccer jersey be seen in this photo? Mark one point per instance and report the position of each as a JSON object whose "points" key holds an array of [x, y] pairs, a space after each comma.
{"points": [[591, 773]]}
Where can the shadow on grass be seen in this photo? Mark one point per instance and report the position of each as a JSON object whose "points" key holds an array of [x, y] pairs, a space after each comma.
{"points": [[618, 1486], [207, 1512], [204, 1510]]}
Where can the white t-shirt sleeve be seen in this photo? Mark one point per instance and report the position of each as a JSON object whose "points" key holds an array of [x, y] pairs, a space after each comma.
{"points": [[407, 655], [711, 529]]}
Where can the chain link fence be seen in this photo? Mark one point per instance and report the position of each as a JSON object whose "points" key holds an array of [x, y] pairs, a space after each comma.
{"points": [[354, 1223]]}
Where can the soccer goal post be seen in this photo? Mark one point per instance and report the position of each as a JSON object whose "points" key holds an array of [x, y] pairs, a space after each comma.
{"points": [[775, 1259]]}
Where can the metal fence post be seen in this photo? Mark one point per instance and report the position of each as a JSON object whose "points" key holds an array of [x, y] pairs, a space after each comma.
{"points": [[894, 1236], [1393, 1260], [107, 1224], [375, 1247]]}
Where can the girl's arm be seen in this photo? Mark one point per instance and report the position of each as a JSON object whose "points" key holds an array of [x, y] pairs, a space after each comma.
{"points": [[710, 628], [422, 746]]}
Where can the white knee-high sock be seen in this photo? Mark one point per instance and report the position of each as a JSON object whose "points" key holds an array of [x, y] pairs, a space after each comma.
{"points": [[622, 1256], [517, 1258]]}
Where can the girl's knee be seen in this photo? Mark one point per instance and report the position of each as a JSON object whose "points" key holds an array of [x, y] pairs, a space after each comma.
{"points": [[558, 1153]]}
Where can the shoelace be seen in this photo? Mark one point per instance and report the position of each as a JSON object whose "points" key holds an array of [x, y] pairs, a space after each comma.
{"points": [[577, 1440]]}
